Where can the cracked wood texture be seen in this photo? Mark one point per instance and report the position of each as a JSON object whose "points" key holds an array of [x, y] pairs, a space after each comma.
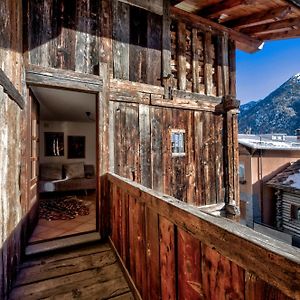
{"points": [[90, 272], [179, 252]]}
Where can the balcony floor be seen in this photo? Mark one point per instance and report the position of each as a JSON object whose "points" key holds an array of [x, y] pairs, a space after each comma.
{"points": [[91, 272]]}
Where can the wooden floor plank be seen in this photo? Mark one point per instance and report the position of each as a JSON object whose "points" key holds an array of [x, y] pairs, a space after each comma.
{"points": [[94, 290], [91, 272], [127, 296], [72, 253], [46, 288], [65, 267]]}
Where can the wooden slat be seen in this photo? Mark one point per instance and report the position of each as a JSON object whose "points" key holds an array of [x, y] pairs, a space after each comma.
{"points": [[257, 289], [208, 76], [284, 24], [215, 10], [154, 51], [154, 6], [145, 145], [181, 56], [243, 41], [167, 259], [265, 16], [196, 58], [10, 89], [286, 34], [189, 267], [121, 31], [222, 279], [157, 148], [153, 262], [166, 39]]}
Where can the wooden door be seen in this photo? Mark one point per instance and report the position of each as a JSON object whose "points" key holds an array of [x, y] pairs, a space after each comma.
{"points": [[34, 160]]}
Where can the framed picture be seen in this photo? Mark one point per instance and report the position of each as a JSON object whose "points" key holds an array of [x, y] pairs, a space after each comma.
{"points": [[54, 143], [76, 146]]}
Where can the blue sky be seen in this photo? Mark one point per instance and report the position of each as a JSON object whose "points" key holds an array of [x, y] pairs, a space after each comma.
{"points": [[260, 73]]}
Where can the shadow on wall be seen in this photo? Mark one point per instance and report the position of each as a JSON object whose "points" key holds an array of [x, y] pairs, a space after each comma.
{"points": [[12, 251], [49, 20]]}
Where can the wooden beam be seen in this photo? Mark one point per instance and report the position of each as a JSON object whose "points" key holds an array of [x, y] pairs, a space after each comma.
{"points": [[257, 18], [287, 34], [217, 9], [154, 6], [272, 261], [285, 24], [10, 90], [243, 41], [41, 76]]}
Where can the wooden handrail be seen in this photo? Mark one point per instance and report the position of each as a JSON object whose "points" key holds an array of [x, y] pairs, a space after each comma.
{"points": [[274, 262]]}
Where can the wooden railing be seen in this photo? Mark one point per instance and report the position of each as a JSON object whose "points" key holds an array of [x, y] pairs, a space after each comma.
{"points": [[175, 251]]}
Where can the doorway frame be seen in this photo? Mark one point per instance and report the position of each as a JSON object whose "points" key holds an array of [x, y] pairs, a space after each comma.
{"points": [[86, 83]]}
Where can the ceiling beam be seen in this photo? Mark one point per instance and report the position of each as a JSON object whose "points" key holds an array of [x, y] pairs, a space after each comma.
{"points": [[287, 34], [293, 23], [269, 15], [243, 41], [217, 9]]}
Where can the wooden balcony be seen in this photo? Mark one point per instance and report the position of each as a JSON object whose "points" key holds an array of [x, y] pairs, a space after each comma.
{"points": [[176, 251]]}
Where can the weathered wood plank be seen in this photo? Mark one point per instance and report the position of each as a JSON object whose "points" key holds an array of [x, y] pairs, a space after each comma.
{"points": [[189, 267], [257, 289], [62, 284], [166, 39], [154, 6], [196, 58], [181, 56], [154, 49], [222, 279], [121, 32], [40, 76], [138, 45], [167, 259], [71, 265], [145, 145], [156, 149], [153, 262], [208, 76]]}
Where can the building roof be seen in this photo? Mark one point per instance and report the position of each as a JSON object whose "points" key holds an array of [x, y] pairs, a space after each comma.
{"points": [[288, 179], [270, 142], [258, 20]]}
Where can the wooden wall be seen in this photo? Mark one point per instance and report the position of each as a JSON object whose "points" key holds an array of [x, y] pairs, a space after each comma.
{"points": [[64, 34], [174, 251], [142, 151], [14, 205]]}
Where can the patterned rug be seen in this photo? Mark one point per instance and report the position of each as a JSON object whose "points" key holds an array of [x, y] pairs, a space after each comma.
{"points": [[62, 208]]}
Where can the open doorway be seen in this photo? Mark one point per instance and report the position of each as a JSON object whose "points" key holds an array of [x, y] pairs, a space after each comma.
{"points": [[66, 163]]}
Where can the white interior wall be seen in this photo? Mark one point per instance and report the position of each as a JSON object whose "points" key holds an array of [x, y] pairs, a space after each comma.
{"points": [[70, 128]]}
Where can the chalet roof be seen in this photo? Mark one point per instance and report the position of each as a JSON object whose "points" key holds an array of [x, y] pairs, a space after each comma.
{"points": [[270, 142], [258, 20], [288, 179]]}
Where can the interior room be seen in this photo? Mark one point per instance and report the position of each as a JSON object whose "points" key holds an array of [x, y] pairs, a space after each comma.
{"points": [[65, 162]]}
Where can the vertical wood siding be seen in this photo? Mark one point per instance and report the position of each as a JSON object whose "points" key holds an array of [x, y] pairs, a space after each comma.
{"points": [[167, 258], [64, 34], [196, 178]]}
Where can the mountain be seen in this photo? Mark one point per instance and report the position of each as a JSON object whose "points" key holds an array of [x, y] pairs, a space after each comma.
{"points": [[277, 113]]}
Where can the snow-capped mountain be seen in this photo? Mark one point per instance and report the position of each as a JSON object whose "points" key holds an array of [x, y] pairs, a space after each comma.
{"points": [[279, 112]]}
